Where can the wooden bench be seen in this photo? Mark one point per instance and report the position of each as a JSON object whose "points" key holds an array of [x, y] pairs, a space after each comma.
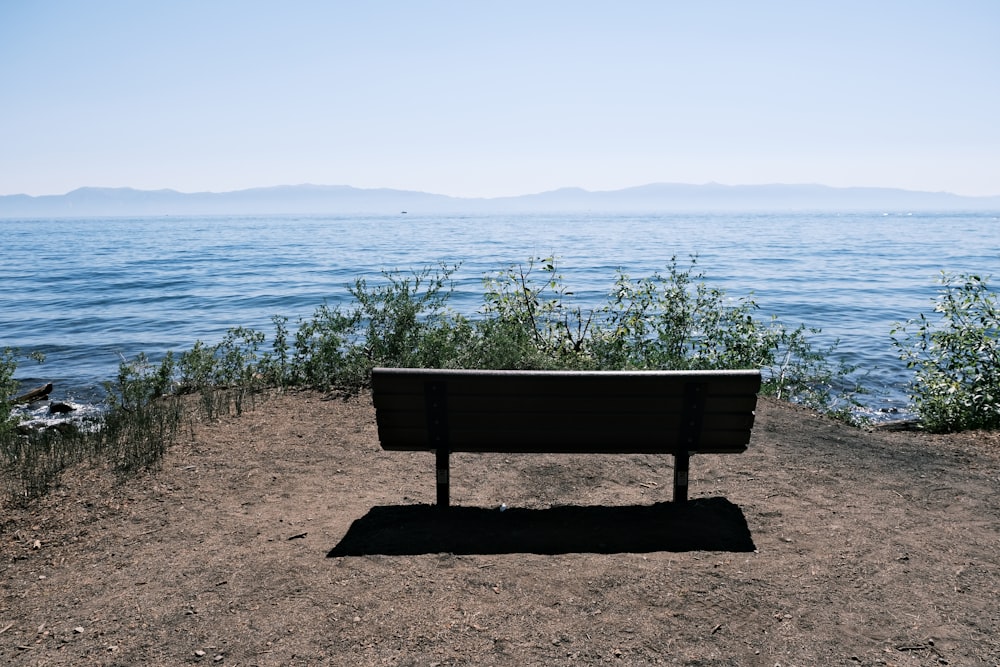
{"points": [[603, 412]]}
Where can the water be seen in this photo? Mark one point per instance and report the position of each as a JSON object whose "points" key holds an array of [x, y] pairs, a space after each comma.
{"points": [[88, 292]]}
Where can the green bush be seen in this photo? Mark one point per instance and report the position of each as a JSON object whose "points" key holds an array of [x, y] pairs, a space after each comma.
{"points": [[143, 415], [401, 320], [670, 321], [528, 320], [9, 386], [956, 357]]}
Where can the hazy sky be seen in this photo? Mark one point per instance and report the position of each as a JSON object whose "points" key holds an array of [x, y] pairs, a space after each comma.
{"points": [[477, 98]]}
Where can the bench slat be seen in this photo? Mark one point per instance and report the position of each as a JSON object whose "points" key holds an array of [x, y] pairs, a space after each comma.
{"points": [[404, 380], [597, 441], [571, 422], [616, 404], [624, 423]]}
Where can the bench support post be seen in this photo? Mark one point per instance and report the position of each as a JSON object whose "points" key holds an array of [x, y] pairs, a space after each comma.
{"points": [[691, 422], [436, 398], [443, 473], [682, 460]]}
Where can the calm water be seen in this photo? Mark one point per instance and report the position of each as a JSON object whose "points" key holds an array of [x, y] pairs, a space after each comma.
{"points": [[86, 292]]}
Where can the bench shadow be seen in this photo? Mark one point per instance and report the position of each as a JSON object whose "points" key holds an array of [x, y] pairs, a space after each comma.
{"points": [[702, 524]]}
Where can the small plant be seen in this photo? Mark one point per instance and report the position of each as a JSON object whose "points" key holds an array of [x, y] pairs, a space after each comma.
{"points": [[534, 318], [397, 318], [320, 352], [142, 418], [139, 382], [676, 321], [672, 320], [956, 357], [9, 386], [231, 372], [34, 461], [275, 367]]}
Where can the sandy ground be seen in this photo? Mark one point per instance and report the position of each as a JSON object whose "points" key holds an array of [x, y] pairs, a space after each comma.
{"points": [[286, 536]]}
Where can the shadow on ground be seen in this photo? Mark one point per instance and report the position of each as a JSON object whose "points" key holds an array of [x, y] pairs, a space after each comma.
{"points": [[703, 524]]}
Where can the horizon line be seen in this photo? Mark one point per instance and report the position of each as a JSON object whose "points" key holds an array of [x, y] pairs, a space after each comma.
{"points": [[487, 198]]}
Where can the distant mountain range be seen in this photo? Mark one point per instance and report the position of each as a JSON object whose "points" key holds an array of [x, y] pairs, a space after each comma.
{"points": [[342, 199]]}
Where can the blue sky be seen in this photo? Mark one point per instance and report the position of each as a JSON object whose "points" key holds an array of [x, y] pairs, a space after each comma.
{"points": [[471, 98]]}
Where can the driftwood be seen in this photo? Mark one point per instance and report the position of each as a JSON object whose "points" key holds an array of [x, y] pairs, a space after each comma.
{"points": [[898, 425], [36, 394]]}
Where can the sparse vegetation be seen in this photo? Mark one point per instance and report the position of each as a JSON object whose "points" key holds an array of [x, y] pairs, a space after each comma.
{"points": [[956, 357], [529, 319], [9, 386], [28, 462]]}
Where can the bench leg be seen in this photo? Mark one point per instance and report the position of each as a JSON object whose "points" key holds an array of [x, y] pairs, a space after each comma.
{"points": [[443, 475], [681, 466]]}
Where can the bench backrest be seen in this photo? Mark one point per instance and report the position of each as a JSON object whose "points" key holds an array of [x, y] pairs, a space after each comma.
{"points": [[565, 411]]}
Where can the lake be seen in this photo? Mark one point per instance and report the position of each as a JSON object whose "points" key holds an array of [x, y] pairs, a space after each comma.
{"points": [[87, 292]]}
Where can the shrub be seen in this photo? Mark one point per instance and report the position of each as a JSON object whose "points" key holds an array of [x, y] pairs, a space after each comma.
{"points": [[669, 321], [9, 386], [529, 323], [143, 416], [137, 439], [320, 349], [956, 358], [528, 320], [404, 321], [676, 321]]}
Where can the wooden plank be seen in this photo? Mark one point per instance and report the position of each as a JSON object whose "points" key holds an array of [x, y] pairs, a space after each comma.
{"points": [[606, 440], [624, 422], [563, 383], [588, 403], [561, 389], [439, 373]]}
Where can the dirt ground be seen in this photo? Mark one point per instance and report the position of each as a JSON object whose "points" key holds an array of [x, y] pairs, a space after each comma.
{"points": [[286, 536]]}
